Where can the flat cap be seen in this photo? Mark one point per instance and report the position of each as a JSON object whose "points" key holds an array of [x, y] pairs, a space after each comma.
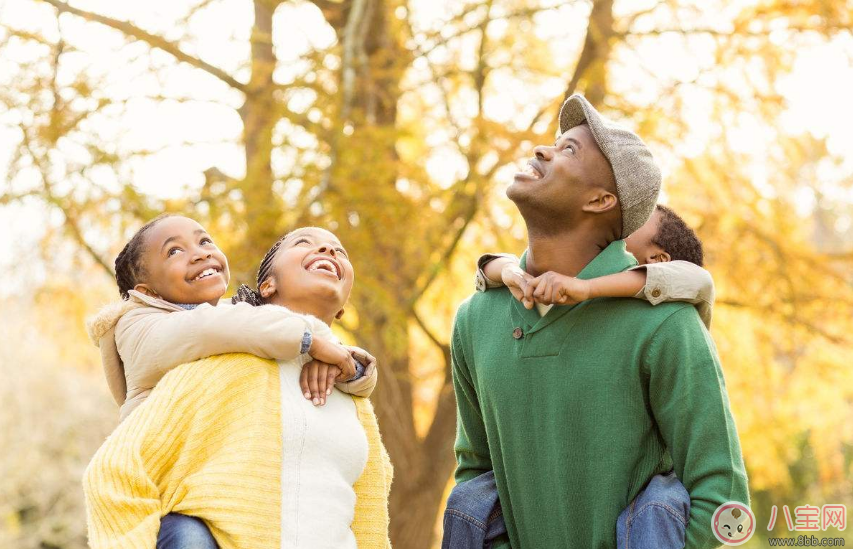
{"points": [[637, 176]]}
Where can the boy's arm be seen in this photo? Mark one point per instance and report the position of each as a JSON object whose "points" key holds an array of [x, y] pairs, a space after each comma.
{"points": [[158, 342], [687, 394], [471, 446], [489, 268], [678, 281]]}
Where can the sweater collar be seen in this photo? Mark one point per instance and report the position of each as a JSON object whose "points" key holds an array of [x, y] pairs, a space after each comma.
{"points": [[612, 259]]}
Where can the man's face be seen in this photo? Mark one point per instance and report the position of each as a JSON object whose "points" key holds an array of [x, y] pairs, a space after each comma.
{"points": [[557, 180], [640, 242]]}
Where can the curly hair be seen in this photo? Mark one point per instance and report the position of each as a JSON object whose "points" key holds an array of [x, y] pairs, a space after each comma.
{"points": [[129, 267], [677, 239]]}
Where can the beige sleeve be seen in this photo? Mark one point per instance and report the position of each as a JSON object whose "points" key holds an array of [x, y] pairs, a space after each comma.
{"points": [[481, 281], [679, 281], [152, 343], [363, 386]]}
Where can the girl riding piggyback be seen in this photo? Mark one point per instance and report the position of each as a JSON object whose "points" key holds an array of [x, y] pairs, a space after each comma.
{"points": [[171, 277]]}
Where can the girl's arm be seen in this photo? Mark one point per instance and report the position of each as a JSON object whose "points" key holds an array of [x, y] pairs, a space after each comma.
{"points": [[318, 378], [153, 342], [364, 385]]}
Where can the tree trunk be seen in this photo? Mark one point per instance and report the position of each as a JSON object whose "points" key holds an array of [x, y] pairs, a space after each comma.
{"points": [[258, 113], [590, 76]]}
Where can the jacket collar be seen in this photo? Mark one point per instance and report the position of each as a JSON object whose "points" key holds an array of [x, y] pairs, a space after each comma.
{"points": [[139, 297]]}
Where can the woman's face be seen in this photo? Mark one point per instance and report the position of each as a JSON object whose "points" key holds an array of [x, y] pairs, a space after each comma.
{"points": [[311, 265]]}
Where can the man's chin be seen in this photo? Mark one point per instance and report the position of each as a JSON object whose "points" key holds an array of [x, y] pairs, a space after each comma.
{"points": [[517, 191]]}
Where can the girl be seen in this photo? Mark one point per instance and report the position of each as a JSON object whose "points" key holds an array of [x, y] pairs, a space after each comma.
{"points": [[171, 276]]}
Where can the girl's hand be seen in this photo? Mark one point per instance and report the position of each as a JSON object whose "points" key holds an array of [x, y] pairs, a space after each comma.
{"points": [[317, 380], [333, 354], [518, 282], [367, 359], [555, 289]]}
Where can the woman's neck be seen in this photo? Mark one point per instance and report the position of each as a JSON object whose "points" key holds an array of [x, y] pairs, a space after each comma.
{"points": [[309, 307]]}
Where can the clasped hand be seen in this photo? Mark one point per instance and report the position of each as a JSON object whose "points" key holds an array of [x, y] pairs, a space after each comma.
{"points": [[548, 288]]}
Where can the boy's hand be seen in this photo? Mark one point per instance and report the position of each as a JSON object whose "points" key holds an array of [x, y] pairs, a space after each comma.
{"points": [[334, 354], [518, 283], [317, 379], [555, 289]]}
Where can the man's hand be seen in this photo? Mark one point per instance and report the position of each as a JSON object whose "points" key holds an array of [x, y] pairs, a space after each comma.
{"points": [[333, 354], [555, 289], [317, 379], [518, 283]]}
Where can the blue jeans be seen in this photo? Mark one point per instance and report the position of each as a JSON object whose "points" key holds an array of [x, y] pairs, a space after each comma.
{"points": [[184, 532], [656, 519], [473, 517]]}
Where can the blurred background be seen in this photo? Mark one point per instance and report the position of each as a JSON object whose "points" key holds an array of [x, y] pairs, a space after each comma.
{"points": [[398, 124]]}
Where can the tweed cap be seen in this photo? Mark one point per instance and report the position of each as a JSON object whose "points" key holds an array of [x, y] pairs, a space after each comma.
{"points": [[638, 178]]}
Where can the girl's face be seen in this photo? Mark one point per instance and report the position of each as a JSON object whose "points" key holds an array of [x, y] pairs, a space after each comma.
{"points": [[311, 272], [182, 264]]}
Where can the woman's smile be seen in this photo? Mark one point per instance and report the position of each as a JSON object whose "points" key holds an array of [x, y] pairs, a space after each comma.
{"points": [[324, 266]]}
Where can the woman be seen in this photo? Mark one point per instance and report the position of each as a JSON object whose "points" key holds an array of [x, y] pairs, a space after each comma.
{"points": [[234, 442]]}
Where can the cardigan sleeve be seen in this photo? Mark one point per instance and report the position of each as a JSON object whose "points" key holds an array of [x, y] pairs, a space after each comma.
{"points": [[122, 501]]}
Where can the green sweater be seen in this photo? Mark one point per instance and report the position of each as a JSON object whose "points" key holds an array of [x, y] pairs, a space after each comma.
{"points": [[577, 410]]}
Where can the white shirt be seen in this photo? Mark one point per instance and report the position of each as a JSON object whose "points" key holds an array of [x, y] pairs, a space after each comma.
{"points": [[543, 309], [324, 453]]}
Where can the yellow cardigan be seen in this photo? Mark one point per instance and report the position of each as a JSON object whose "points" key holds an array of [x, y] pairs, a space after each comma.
{"points": [[208, 443]]}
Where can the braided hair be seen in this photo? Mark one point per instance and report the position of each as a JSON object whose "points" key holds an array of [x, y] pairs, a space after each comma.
{"points": [[254, 297], [128, 266]]}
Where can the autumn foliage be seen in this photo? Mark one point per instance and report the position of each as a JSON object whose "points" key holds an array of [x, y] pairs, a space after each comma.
{"points": [[397, 124]]}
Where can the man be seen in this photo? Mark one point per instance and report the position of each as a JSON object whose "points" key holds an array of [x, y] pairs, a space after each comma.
{"points": [[577, 408]]}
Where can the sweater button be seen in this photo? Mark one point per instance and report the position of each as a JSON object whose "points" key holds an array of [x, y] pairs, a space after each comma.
{"points": [[517, 333], [656, 292]]}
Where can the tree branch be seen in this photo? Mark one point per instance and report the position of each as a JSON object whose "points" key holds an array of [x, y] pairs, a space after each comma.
{"points": [[152, 40], [733, 33], [465, 29]]}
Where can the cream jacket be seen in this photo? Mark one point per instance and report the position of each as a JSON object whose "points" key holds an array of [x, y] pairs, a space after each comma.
{"points": [[143, 338], [679, 281]]}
